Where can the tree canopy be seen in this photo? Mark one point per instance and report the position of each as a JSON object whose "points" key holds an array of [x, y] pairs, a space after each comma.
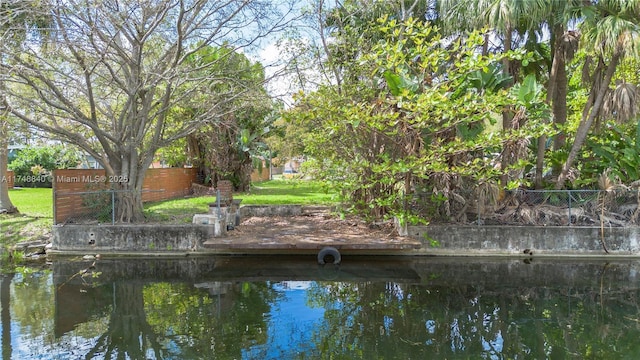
{"points": [[119, 76], [410, 110], [416, 118], [20, 19], [400, 99]]}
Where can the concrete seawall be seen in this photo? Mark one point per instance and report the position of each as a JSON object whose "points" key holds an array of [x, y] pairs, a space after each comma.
{"points": [[156, 239], [436, 240], [513, 240], [130, 238]]}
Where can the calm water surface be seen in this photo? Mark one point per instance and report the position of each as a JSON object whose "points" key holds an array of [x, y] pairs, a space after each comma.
{"points": [[290, 308]]}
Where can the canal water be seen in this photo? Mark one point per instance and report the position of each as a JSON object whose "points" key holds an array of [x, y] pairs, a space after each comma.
{"points": [[292, 308]]}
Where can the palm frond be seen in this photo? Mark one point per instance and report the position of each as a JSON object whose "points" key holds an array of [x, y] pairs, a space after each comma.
{"points": [[622, 103], [570, 41], [609, 24]]}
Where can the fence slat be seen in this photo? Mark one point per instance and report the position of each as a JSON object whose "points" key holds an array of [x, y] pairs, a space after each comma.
{"points": [[73, 190]]}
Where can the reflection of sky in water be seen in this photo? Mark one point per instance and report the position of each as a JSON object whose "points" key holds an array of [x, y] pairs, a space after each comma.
{"points": [[291, 324], [493, 347], [69, 346]]}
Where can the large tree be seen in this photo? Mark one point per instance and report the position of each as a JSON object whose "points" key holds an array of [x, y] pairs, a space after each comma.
{"points": [[225, 151], [119, 77], [412, 119], [18, 20], [519, 24], [612, 31]]}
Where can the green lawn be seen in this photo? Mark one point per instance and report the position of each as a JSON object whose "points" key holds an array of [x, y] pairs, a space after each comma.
{"points": [[34, 220], [33, 202], [280, 192]]}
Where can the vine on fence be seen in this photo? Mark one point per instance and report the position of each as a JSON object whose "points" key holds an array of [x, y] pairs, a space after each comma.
{"points": [[99, 202]]}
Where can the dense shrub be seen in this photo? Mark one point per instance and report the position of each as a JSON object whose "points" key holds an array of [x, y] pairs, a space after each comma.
{"points": [[33, 166]]}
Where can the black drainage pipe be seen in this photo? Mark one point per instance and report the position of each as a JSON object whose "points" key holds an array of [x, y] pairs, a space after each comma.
{"points": [[327, 253]]}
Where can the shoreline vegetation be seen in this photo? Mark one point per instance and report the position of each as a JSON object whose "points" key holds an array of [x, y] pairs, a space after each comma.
{"points": [[33, 225], [35, 219]]}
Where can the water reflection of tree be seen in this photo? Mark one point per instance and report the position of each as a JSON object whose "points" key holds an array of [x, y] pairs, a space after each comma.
{"points": [[32, 301], [600, 319], [388, 320], [5, 314], [220, 323], [178, 320], [129, 335]]}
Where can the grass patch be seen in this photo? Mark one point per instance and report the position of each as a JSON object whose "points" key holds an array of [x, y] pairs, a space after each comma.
{"points": [[284, 192], [34, 220], [33, 202], [273, 192]]}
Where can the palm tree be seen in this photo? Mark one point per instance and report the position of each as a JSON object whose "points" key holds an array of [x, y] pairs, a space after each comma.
{"points": [[17, 18], [523, 20], [555, 15], [612, 28]]}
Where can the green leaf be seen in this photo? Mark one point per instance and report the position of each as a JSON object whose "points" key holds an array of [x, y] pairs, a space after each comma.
{"points": [[528, 90], [400, 85], [394, 82]]}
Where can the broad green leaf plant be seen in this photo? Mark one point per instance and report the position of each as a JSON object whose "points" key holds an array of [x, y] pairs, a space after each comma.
{"points": [[418, 123]]}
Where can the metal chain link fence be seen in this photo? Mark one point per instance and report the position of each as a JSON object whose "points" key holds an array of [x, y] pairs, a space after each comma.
{"points": [[484, 206], [88, 207]]}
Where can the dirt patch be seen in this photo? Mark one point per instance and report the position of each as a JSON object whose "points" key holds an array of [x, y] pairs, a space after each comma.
{"points": [[313, 227]]}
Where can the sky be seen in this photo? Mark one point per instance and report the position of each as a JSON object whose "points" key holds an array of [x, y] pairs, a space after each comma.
{"points": [[275, 50]]}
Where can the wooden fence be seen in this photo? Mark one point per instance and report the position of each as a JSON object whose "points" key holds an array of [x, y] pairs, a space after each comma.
{"points": [[10, 178], [73, 189], [260, 175]]}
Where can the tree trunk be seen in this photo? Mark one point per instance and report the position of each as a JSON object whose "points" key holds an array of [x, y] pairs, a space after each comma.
{"points": [[507, 114], [243, 172], [587, 121], [5, 202], [557, 98], [129, 334], [559, 107], [129, 208], [127, 181]]}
